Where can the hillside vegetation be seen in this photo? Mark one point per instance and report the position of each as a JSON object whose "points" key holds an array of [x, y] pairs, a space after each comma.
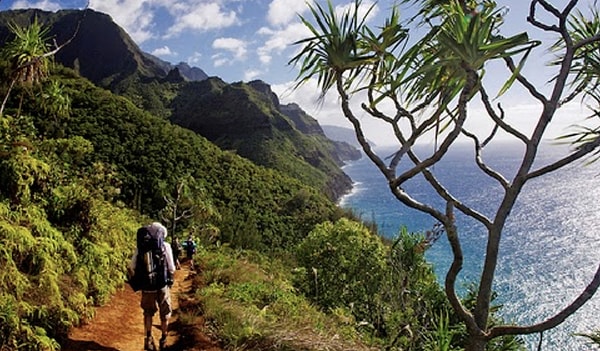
{"points": [[283, 267], [245, 118], [73, 189]]}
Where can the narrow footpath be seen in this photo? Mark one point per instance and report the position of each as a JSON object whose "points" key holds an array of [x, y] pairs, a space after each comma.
{"points": [[118, 325]]}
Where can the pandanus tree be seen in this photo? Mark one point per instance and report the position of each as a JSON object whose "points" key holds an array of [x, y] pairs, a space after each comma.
{"points": [[29, 57], [430, 83]]}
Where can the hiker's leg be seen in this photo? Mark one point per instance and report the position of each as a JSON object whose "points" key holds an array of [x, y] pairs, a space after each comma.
{"points": [[166, 308], [164, 302], [164, 326], [147, 325], [148, 304]]}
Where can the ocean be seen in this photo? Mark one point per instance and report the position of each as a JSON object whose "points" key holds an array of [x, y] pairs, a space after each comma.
{"points": [[550, 247]]}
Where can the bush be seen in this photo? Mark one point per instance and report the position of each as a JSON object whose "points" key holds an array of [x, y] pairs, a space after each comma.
{"points": [[345, 266], [250, 299]]}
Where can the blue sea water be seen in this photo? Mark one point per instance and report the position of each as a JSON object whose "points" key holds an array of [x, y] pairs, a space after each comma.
{"points": [[550, 247]]}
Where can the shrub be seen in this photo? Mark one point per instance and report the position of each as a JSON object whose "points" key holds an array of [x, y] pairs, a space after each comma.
{"points": [[345, 266], [250, 299]]}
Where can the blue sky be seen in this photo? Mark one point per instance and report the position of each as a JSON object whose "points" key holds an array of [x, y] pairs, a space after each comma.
{"points": [[233, 39], [242, 40]]}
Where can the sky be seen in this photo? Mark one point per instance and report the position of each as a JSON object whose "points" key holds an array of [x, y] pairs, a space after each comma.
{"points": [[243, 40]]}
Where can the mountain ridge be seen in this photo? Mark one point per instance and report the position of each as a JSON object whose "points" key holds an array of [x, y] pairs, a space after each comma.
{"points": [[280, 137]]}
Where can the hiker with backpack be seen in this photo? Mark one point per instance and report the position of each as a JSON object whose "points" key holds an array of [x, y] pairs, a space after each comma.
{"points": [[177, 248], [190, 250], [151, 270]]}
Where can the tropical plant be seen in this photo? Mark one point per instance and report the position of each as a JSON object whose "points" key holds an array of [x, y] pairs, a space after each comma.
{"points": [[250, 298], [188, 204], [430, 83], [28, 56], [593, 337], [345, 266]]}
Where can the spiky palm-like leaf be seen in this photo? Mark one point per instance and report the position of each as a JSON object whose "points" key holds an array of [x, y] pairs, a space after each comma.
{"points": [[586, 68], [334, 48], [585, 72], [27, 57], [26, 52], [464, 40]]}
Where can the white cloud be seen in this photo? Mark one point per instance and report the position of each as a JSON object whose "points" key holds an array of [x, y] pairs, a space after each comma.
{"points": [[286, 29], [200, 17], [283, 11], [278, 40], [365, 7], [219, 60], [164, 51], [135, 16], [195, 58], [43, 4], [251, 74], [235, 46]]}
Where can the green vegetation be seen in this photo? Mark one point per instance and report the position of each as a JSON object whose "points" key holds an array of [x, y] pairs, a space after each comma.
{"points": [[348, 291], [269, 138], [252, 303], [62, 243], [426, 82], [72, 191], [283, 267]]}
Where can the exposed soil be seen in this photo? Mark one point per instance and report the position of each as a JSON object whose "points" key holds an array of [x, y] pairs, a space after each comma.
{"points": [[118, 325]]}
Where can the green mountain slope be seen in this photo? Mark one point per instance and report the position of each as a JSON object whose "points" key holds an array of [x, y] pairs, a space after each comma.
{"points": [[247, 119], [258, 206], [244, 118]]}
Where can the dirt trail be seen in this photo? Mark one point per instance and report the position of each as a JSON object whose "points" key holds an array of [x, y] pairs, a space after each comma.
{"points": [[118, 325]]}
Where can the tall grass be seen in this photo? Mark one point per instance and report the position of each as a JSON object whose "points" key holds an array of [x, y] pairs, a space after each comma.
{"points": [[252, 304]]}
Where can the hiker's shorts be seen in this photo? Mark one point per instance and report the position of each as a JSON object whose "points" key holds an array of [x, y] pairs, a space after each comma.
{"points": [[153, 301]]}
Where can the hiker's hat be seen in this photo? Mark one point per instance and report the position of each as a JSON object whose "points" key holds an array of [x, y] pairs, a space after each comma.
{"points": [[159, 228]]}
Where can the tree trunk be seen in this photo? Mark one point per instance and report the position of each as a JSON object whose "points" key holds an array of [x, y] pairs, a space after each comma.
{"points": [[476, 343]]}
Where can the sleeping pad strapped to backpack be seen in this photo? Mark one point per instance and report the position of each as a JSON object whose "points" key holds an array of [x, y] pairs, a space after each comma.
{"points": [[150, 268]]}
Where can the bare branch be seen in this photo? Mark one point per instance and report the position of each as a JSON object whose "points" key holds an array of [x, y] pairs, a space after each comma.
{"points": [[552, 322], [188, 213], [415, 134], [499, 120], [582, 150], [532, 18], [406, 199], [422, 166], [472, 79], [530, 87], [548, 7], [586, 41], [455, 268], [479, 160], [360, 136]]}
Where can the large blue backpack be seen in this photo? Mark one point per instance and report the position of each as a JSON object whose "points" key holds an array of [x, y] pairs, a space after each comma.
{"points": [[150, 268]]}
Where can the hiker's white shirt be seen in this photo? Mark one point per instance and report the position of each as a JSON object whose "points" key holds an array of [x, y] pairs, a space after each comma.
{"points": [[168, 257]]}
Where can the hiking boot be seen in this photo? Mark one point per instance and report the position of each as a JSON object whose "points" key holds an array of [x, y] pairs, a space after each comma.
{"points": [[163, 342], [149, 344]]}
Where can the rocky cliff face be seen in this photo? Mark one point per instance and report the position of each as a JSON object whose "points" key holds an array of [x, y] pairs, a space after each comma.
{"points": [[308, 125], [100, 50]]}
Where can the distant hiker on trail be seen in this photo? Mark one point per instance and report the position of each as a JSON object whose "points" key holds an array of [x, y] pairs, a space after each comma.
{"points": [[151, 270], [190, 249], [176, 252]]}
